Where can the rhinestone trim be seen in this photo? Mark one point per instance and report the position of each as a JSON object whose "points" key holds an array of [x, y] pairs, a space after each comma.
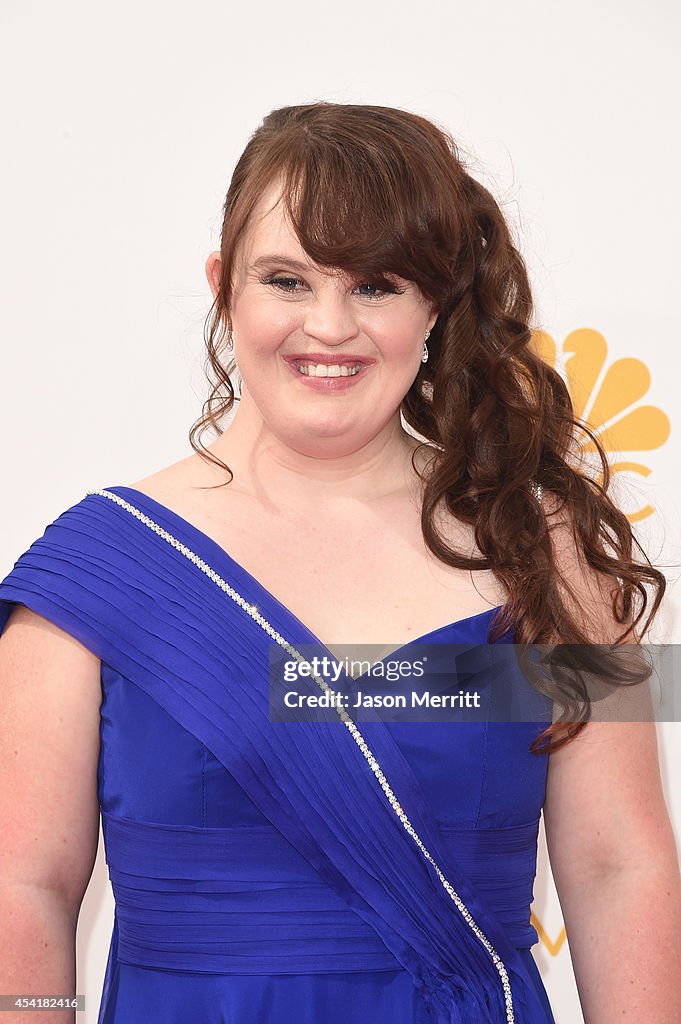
{"points": [[252, 610]]}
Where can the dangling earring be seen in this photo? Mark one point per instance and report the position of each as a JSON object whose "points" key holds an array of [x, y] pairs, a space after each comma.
{"points": [[230, 348], [424, 357]]}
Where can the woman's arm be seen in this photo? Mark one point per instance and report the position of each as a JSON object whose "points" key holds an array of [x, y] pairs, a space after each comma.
{"points": [[614, 861], [613, 853], [49, 815]]}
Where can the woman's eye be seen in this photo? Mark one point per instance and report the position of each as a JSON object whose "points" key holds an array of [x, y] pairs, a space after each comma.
{"points": [[367, 289], [373, 292], [285, 284], [377, 289]]}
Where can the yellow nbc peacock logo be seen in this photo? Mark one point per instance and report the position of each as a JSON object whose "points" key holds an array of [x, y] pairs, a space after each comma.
{"points": [[610, 407]]}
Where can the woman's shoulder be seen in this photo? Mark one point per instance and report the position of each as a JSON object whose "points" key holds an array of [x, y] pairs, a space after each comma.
{"points": [[84, 550], [587, 592], [180, 483], [92, 572]]}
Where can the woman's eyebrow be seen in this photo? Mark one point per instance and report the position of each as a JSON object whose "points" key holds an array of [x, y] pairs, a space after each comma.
{"points": [[268, 260]]}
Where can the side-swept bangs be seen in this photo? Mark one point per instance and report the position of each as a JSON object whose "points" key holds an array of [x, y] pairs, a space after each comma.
{"points": [[368, 190]]}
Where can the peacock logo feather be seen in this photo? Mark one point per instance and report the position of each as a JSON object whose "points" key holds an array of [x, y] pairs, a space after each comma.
{"points": [[607, 398]]}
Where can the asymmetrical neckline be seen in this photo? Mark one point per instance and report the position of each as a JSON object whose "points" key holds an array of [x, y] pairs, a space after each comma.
{"points": [[215, 552]]}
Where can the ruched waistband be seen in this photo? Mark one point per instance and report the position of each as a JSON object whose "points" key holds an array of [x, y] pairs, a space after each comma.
{"points": [[244, 901]]}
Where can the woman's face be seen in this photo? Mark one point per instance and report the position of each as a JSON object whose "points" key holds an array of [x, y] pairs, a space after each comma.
{"points": [[326, 360]]}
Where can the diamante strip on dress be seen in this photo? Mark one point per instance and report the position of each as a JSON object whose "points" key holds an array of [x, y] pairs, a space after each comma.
{"points": [[345, 718]]}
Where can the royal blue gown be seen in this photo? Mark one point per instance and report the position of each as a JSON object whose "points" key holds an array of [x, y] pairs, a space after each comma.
{"points": [[260, 873]]}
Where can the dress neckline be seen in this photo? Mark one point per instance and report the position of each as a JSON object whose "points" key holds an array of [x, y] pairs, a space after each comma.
{"points": [[201, 538]]}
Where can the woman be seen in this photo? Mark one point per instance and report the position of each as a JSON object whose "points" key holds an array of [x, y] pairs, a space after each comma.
{"points": [[321, 870]]}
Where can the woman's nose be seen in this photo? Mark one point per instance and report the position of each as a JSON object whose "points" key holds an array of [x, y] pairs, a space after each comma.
{"points": [[330, 318]]}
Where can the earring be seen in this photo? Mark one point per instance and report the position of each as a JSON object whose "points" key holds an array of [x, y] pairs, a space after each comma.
{"points": [[424, 357]]}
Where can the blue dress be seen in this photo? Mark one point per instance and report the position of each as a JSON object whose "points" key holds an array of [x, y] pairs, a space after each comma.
{"points": [[264, 871]]}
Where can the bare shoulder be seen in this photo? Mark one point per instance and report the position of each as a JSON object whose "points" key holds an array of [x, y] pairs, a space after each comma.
{"points": [[589, 594], [189, 487], [178, 478]]}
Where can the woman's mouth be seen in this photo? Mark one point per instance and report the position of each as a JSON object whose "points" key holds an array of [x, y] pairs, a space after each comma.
{"points": [[322, 370], [328, 376]]}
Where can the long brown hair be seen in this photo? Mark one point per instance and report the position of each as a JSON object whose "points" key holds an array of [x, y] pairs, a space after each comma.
{"points": [[372, 189]]}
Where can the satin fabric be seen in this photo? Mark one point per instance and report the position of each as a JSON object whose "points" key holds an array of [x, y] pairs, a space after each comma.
{"points": [[335, 892]]}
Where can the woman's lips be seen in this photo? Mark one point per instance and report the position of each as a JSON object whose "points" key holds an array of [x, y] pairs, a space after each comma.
{"points": [[328, 359], [338, 382]]}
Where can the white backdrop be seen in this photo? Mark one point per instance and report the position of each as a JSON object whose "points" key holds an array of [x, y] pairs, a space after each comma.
{"points": [[120, 127]]}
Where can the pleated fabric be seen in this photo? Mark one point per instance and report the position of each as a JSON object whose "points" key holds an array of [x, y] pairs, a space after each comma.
{"points": [[343, 890]]}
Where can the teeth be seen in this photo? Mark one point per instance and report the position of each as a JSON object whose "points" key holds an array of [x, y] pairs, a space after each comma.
{"points": [[322, 370]]}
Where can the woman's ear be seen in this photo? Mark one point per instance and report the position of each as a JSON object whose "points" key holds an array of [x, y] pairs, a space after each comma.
{"points": [[213, 272]]}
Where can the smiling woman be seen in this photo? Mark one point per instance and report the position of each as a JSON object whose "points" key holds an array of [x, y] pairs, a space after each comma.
{"points": [[295, 324], [394, 434]]}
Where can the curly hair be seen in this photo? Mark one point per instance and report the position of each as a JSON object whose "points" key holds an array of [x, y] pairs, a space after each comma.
{"points": [[373, 190]]}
